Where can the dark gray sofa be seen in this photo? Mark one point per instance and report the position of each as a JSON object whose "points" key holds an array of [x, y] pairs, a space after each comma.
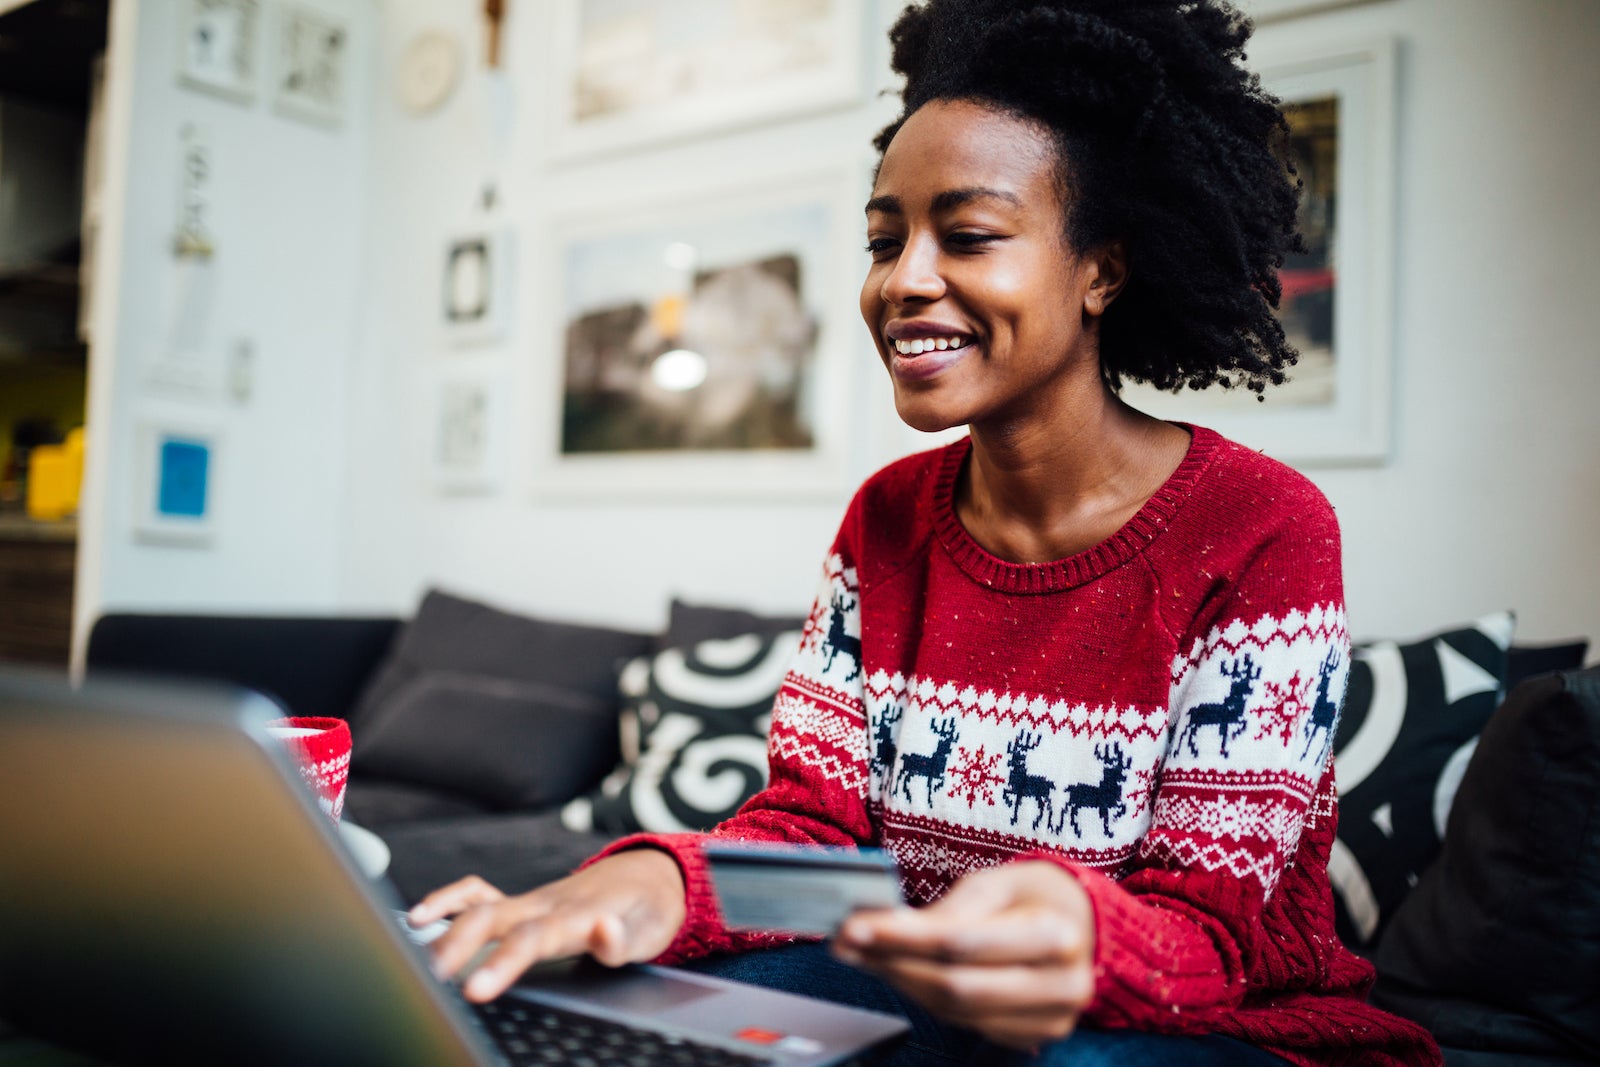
{"points": [[1500, 959], [324, 666]]}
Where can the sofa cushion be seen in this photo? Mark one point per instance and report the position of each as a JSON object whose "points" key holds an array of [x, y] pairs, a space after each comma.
{"points": [[1525, 661], [515, 851], [689, 624], [694, 736], [1411, 718], [515, 711], [1499, 946], [520, 745], [375, 802]]}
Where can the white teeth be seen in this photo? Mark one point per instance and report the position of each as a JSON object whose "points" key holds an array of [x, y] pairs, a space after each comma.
{"points": [[930, 344]]}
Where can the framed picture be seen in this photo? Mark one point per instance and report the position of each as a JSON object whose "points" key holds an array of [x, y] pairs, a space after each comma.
{"points": [[701, 345], [468, 451], [220, 47], [175, 499], [630, 72], [1337, 297], [1263, 11], [311, 69], [476, 288]]}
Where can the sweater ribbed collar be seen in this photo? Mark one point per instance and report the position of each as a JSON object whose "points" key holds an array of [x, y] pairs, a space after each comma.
{"points": [[1135, 535]]}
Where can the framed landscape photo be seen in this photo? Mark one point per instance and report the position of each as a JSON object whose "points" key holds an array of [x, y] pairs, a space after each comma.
{"points": [[632, 72], [1337, 304], [700, 345]]}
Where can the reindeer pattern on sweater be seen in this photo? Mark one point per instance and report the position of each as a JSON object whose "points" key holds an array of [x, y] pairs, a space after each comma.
{"points": [[1154, 714]]}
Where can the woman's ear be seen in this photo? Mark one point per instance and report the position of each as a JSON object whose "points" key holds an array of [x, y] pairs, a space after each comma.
{"points": [[1109, 273]]}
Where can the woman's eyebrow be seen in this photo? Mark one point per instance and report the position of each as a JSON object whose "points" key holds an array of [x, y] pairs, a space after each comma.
{"points": [[945, 201], [953, 198]]}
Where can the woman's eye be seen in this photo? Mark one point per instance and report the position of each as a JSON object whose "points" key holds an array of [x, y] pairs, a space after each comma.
{"points": [[967, 240], [877, 246]]}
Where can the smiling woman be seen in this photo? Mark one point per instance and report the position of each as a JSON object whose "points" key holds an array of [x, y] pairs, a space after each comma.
{"points": [[1067, 670]]}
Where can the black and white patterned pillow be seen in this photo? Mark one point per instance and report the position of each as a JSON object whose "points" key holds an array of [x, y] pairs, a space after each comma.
{"points": [[1411, 720], [694, 736]]}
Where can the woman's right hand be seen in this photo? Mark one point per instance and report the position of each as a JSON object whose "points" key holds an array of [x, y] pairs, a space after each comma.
{"points": [[625, 908]]}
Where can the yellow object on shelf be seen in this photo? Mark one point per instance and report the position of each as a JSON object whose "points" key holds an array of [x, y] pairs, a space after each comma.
{"points": [[55, 478]]}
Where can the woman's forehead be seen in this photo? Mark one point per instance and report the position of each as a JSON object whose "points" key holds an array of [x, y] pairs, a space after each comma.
{"points": [[962, 144]]}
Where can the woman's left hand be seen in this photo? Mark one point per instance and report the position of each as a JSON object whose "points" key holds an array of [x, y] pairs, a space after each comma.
{"points": [[1008, 952]]}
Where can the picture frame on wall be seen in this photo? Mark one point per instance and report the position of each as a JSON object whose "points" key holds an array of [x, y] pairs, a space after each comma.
{"points": [[1265, 11], [1337, 304], [175, 498], [219, 47], [700, 345], [476, 285], [311, 65], [468, 453], [627, 73]]}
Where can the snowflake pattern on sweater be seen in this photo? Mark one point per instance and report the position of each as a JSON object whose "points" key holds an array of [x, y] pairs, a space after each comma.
{"points": [[1154, 714]]}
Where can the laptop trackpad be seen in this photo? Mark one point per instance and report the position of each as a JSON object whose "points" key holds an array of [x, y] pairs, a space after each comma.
{"points": [[630, 991]]}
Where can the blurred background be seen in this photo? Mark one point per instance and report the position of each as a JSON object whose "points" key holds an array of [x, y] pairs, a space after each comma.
{"points": [[309, 305]]}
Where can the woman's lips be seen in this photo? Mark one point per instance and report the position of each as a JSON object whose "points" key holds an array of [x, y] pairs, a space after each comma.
{"points": [[925, 365]]}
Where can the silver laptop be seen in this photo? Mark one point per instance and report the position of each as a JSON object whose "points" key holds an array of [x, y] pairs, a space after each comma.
{"points": [[170, 892]]}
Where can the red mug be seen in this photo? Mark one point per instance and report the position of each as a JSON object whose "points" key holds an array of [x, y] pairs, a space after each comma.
{"points": [[321, 748]]}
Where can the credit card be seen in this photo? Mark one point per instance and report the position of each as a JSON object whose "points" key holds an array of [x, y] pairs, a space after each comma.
{"points": [[799, 889]]}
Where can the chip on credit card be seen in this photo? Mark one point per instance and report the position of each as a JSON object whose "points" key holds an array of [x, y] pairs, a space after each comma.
{"points": [[799, 889]]}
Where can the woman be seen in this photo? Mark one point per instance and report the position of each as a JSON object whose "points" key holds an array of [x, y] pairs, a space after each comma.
{"points": [[1078, 672]]}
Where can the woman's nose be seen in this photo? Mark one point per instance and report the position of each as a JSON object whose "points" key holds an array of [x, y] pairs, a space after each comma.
{"points": [[916, 277]]}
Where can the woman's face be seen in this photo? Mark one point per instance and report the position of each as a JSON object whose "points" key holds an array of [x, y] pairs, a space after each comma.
{"points": [[979, 309]]}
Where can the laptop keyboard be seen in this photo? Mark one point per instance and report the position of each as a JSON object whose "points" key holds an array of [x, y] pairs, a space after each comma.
{"points": [[531, 1034]]}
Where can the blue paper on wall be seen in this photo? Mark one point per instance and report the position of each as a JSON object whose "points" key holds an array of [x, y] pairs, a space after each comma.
{"points": [[185, 466]]}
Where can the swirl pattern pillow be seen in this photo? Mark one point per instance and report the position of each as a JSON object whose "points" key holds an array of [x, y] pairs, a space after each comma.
{"points": [[694, 736], [1411, 719]]}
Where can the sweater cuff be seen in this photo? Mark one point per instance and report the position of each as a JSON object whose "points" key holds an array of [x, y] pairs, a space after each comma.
{"points": [[1145, 973], [703, 929]]}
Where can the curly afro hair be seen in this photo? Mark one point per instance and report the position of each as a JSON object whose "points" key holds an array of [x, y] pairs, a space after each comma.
{"points": [[1165, 142]]}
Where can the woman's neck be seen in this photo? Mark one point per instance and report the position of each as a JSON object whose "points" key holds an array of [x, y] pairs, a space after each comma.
{"points": [[1038, 489]]}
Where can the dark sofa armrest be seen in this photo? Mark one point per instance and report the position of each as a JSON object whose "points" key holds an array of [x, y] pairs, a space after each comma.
{"points": [[311, 665]]}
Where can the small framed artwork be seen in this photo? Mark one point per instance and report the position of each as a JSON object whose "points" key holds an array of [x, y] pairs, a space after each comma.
{"points": [[632, 72], [311, 70], [476, 286], [1337, 298], [702, 345], [175, 499], [220, 47], [468, 450]]}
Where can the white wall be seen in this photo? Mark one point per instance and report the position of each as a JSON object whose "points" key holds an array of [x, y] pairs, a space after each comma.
{"points": [[617, 560], [1491, 497], [286, 205]]}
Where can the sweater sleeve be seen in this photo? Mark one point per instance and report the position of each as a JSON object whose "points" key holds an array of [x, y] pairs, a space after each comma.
{"points": [[817, 764], [1256, 688]]}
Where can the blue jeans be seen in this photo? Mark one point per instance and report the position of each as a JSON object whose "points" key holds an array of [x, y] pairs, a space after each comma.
{"points": [[810, 970]]}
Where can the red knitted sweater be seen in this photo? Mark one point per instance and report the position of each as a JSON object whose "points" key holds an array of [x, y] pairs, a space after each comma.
{"points": [[1154, 714]]}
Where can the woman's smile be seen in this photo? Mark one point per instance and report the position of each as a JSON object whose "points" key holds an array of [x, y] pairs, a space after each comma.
{"points": [[920, 349]]}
